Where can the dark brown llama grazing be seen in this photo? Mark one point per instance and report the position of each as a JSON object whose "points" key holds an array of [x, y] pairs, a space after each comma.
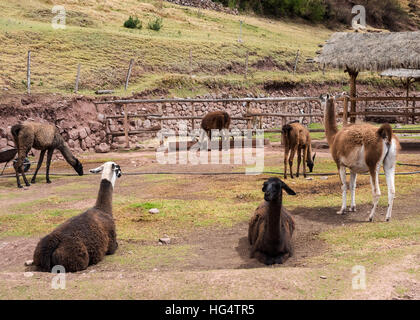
{"points": [[44, 137], [271, 228], [215, 120], [297, 139], [84, 239]]}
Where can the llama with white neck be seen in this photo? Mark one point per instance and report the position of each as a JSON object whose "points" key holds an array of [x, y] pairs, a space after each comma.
{"points": [[362, 148], [84, 239]]}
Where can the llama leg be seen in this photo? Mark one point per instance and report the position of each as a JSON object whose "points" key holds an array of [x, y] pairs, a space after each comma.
{"points": [[353, 176], [376, 192], [17, 171], [342, 172], [292, 155], [286, 156], [299, 159], [305, 152], [49, 157], [41, 158], [389, 168], [280, 259], [72, 255]]}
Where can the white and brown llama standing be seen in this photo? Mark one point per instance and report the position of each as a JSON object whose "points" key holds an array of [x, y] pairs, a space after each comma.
{"points": [[362, 148]]}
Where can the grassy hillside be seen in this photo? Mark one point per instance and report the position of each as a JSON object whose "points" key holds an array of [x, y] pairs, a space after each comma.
{"points": [[95, 37]]}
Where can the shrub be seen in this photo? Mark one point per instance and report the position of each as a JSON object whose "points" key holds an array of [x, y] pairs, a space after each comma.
{"points": [[155, 24], [133, 23]]}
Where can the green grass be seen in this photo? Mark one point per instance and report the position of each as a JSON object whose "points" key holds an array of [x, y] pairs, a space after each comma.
{"points": [[94, 31]]}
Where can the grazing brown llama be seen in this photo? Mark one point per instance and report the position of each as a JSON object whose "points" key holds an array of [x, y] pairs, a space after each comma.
{"points": [[216, 120], [297, 139], [84, 239], [44, 137], [271, 227], [256, 120], [362, 148]]}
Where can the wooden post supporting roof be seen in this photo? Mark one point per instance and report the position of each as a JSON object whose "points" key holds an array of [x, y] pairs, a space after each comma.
{"points": [[353, 91]]}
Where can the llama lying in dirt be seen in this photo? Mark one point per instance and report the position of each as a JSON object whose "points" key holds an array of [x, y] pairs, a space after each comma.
{"points": [[215, 120], [297, 138], [362, 148], [271, 228], [44, 137], [84, 239]]}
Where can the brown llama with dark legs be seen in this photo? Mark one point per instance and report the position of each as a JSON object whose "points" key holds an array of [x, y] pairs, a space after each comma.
{"points": [[44, 137], [84, 239], [271, 227], [297, 139]]}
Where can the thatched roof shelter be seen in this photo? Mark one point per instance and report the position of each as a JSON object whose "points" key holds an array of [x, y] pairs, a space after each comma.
{"points": [[355, 52], [371, 51], [402, 73]]}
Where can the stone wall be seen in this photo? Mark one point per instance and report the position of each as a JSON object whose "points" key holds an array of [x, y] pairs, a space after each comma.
{"points": [[205, 4]]}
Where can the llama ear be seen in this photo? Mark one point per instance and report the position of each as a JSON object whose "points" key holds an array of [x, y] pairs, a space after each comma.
{"points": [[287, 189], [97, 170]]}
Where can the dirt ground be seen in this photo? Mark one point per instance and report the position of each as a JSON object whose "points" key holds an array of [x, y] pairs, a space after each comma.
{"points": [[210, 259]]}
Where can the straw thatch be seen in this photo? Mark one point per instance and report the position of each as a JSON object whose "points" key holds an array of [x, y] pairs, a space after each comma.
{"points": [[372, 51], [402, 73]]}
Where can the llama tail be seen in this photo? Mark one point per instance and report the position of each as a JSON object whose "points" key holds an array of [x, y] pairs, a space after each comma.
{"points": [[43, 252], [385, 132], [15, 132]]}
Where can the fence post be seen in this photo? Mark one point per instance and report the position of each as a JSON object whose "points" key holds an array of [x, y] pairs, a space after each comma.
{"points": [[76, 86], [127, 142], [190, 66], [345, 110], [296, 62], [128, 73], [246, 65], [28, 73]]}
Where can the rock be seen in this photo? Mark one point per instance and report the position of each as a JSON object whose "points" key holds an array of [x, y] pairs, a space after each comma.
{"points": [[102, 148], [29, 262], [3, 143], [101, 117], [154, 211], [28, 274], [165, 240], [82, 133], [309, 178], [95, 126], [323, 277], [89, 142], [74, 134], [324, 178]]}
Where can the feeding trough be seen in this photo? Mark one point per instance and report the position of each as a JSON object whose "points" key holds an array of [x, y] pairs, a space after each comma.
{"points": [[8, 155]]}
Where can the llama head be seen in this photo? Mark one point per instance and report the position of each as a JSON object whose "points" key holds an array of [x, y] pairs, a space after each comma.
{"points": [[273, 187], [110, 171], [78, 167], [310, 162]]}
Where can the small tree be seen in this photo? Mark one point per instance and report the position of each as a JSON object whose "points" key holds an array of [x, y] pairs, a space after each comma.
{"points": [[155, 24], [133, 23]]}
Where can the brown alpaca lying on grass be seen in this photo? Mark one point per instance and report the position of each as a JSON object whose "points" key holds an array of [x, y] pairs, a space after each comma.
{"points": [[44, 137], [297, 138], [84, 239], [271, 228]]}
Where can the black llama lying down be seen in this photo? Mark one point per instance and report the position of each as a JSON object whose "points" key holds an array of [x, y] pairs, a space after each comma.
{"points": [[84, 239], [271, 228]]}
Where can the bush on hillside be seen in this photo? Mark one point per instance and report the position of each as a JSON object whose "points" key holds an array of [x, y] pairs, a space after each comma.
{"points": [[156, 24], [133, 23]]}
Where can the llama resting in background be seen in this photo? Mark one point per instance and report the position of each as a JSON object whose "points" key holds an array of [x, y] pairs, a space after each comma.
{"points": [[362, 148], [271, 227], [44, 137], [84, 239], [297, 139]]}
